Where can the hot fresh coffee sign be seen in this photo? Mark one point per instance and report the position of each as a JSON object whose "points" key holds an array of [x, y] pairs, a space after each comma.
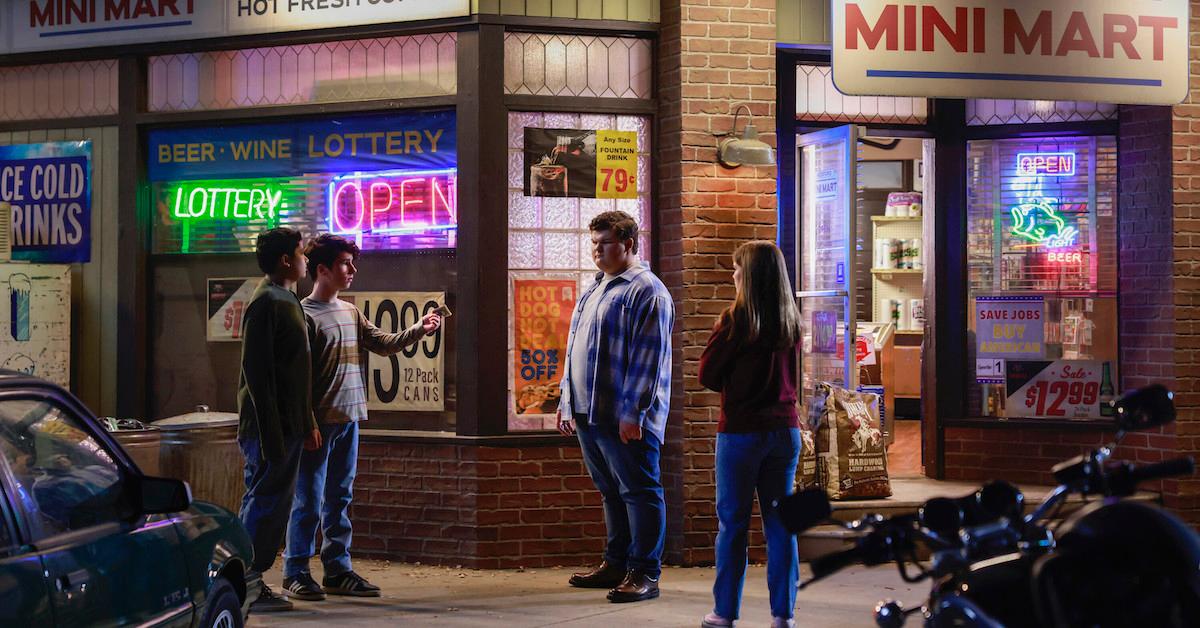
{"points": [[1103, 50]]}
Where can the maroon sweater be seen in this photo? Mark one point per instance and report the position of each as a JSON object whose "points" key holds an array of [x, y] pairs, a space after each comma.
{"points": [[757, 383]]}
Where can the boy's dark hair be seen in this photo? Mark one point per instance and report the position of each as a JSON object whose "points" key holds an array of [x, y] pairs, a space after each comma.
{"points": [[273, 244], [623, 226], [324, 251]]}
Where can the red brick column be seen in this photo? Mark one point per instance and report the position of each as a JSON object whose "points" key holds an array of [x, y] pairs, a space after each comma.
{"points": [[713, 55]]}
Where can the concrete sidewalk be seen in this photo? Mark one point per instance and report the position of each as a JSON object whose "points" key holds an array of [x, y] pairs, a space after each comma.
{"points": [[418, 595]]}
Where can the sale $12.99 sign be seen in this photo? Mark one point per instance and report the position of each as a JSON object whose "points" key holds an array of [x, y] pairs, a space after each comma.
{"points": [[1065, 389]]}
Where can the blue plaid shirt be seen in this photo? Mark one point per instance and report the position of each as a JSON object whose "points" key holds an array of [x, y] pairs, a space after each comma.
{"points": [[629, 352]]}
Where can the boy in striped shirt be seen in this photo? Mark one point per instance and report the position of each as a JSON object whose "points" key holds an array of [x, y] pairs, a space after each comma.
{"points": [[324, 485]]}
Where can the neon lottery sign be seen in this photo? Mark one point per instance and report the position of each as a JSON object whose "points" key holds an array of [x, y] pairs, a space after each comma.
{"points": [[234, 199], [393, 202], [1045, 164]]}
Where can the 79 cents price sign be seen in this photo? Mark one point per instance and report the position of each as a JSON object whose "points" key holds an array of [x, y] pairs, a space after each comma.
{"points": [[413, 379]]}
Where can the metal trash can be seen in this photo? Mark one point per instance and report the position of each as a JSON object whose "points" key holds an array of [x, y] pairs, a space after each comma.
{"points": [[139, 440], [201, 448]]}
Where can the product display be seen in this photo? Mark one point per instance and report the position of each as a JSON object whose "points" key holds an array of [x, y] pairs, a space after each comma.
{"points": [[903, 204], [851, 453]]}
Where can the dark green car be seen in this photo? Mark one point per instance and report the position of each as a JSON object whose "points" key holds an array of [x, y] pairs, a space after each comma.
{"points": [[86, 539]]}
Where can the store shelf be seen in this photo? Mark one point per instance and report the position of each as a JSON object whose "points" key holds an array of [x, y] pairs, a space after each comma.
{"points": [[897, 271], [896, 218], [910, 332]]}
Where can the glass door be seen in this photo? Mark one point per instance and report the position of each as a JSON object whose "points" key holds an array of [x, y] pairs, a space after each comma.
{"points": [[827, 191]]}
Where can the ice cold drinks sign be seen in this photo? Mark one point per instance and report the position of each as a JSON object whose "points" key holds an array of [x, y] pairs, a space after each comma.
{"points": [[47, 188]]}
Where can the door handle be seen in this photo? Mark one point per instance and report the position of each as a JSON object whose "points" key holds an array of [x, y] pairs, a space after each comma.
{"points": [[74, 580]]}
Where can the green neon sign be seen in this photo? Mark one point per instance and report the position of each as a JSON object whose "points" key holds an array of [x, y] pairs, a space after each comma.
{"points": [[1036, 221], [231, 199]]}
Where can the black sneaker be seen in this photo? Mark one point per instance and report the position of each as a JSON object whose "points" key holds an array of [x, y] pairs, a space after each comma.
{"points": [[349, 583], [303, 587], [268, 602]]}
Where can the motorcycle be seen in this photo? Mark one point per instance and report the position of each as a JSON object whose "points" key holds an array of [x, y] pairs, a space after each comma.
{"points": [[1113, 562]]}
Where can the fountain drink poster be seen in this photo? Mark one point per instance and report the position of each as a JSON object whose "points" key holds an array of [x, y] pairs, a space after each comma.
{"points": [[580, 163]]}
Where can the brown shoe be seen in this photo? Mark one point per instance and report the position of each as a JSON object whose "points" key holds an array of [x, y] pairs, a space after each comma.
{"points": [[605, 576], [636, 586]]}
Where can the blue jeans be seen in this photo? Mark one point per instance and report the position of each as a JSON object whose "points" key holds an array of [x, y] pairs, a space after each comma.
{"points": [[765, 461], [630, 482], [268, 498], [324, 489]]}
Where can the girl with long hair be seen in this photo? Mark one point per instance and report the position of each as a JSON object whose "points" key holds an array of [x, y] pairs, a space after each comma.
{"points": [[751, 360]]}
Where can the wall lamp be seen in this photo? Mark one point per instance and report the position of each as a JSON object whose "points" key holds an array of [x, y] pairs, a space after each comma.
{"points": [[748, 149]]}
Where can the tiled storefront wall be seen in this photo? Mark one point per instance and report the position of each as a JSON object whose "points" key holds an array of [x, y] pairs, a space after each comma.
{"points": [[479, 507], [712, 55]]}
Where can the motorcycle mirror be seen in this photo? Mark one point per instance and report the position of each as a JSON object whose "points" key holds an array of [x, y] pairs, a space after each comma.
{"points": [[804, 510], [1000, 499], [941, 515], [1144, 408]]}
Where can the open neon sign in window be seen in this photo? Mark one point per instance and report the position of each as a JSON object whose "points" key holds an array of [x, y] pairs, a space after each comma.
{"points": [[1045, 164], [394, 202]]}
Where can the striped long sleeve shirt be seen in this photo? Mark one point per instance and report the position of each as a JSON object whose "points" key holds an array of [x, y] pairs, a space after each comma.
{"points": [[629, 352], [341, 335]]}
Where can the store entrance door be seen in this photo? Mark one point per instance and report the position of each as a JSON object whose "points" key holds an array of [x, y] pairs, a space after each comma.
{"points": [[826, 182]]}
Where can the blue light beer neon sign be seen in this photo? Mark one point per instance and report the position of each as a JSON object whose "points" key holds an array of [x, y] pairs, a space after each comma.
{"points": [[393, 202]]}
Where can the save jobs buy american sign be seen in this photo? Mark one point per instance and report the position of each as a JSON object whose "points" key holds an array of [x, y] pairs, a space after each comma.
{"points": [[1121, 51]]}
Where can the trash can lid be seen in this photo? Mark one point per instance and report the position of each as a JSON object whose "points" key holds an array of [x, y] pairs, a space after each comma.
{"points": [[198, 419]]}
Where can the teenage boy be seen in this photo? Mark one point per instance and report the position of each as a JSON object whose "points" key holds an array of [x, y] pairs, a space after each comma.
{"points": [[324, 489], [274, 400], [615, 395]]}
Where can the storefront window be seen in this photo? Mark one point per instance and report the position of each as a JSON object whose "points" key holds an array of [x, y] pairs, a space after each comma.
{"points": [[1042, 256], [386, 181], [550, 251]]}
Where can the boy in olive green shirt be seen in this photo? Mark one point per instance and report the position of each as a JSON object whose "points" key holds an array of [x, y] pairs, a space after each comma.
{"points": [[274, 400]]}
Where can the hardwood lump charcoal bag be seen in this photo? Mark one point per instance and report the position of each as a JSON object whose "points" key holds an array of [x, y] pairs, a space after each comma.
{"points": [[806, 470], [851, 454]]}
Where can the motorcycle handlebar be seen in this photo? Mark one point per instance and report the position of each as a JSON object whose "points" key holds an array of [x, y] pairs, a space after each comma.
{"points": [[1126, 478]]}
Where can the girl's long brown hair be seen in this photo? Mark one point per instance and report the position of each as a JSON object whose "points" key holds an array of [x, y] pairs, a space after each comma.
{"points": [[765, 308]]}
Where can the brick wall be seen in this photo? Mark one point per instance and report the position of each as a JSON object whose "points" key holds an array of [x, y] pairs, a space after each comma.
{"points": [[713, 54], [480, 507], [1185, 147]]}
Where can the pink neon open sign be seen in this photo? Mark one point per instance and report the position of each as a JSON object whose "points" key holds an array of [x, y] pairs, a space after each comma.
{"points": [[393, 202]]}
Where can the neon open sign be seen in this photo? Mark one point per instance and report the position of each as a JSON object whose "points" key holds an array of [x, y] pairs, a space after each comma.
{"points": [[393, 202], [1045, 164]]}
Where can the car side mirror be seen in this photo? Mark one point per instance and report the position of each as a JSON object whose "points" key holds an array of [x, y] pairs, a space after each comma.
{"points": [[157, 496], [1144, 408]]}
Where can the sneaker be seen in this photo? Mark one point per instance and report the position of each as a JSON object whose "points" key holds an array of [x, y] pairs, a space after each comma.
{"points": [[349, 583], [303, 587], [713, 620], [781, 622], [268, 602]]}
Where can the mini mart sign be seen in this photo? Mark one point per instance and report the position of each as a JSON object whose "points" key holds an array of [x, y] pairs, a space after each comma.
{"points": [[32, 25], [1121, 51]]}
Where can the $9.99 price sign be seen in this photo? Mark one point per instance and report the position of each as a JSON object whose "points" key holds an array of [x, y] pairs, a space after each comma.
{"points": [[1064, 389], [414, 378], [616, 164]]}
